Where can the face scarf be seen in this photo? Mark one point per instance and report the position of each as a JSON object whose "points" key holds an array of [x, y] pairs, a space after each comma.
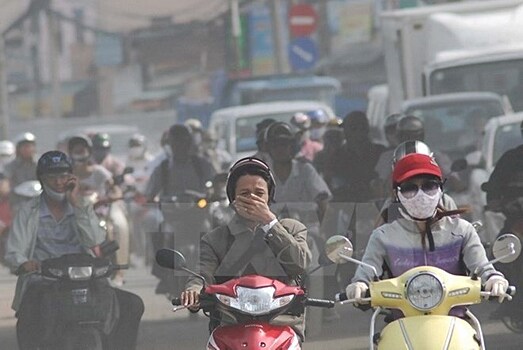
{"points": [[421, 207], [52, 194]]}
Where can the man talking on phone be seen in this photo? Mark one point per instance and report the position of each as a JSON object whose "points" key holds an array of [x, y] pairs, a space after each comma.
{"points": [[59, 221]]}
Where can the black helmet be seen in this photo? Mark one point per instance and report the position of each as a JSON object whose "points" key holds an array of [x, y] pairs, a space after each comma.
{"points": [[408, 147], [278, 131], [410, 128], [53, 162], [180, 132], [79, 139], [101, 140], [260, 130], [137, 140], [249, 166]]}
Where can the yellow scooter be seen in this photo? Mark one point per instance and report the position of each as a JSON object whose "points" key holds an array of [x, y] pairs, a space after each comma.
{"points": [[425, 295]]}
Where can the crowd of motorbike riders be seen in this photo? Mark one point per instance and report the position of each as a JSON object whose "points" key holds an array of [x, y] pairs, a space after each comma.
{"points": [[307, 181]]}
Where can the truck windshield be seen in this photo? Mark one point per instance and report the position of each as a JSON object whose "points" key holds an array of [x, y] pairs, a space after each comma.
{"points": [[456, 127], [501, 77]]}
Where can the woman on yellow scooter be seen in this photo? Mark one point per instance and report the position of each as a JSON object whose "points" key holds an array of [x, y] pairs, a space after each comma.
{"points": [[425, 234]]}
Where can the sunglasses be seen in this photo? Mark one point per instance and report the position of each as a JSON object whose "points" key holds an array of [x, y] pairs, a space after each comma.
{"points": [[410, 189]]}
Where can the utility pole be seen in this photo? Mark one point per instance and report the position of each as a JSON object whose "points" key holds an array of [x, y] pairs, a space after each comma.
{"points": [[4, 107], [280, 51], [54, 65]]}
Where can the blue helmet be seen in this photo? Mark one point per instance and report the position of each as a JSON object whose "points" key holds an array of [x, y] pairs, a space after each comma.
{"points": [[318, 116]]}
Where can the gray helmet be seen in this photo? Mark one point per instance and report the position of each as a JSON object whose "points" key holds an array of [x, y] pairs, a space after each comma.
{"points": [[391, 122], [410, 128], [137, 140], [408, 147]]}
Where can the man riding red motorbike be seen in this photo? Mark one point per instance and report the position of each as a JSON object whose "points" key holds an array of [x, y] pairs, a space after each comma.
{"points": [[254, 242]]}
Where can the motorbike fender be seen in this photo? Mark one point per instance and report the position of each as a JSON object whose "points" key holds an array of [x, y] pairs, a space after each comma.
{"points": [[256, 335], [428, 333]]}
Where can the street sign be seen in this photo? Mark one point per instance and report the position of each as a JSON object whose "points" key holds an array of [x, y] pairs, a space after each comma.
{"points": [[303, 20], [303, 53]]}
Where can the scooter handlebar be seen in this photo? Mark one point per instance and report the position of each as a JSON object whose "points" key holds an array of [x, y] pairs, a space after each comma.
{"points": [[320, 303], [343, 296], [511, 291]]}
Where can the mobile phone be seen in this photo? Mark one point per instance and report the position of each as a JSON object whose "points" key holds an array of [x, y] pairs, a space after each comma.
{"points": [[70, 186]]}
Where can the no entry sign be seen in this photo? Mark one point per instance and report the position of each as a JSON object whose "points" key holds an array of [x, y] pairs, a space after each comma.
{"points": [[303, 20]]}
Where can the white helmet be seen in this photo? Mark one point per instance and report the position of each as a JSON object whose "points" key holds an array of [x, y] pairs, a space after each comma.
{"points": [[194, 124], [411, 146], [24, 137], [7, 148]]}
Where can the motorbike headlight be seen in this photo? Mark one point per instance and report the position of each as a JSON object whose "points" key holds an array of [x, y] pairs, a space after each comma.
{"points": [[424, 291], [79, 273], [100, 271], [257, 301], [56, 272]]}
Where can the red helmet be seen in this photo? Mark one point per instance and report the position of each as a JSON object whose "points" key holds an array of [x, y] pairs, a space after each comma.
{"points": [[415, 164]]}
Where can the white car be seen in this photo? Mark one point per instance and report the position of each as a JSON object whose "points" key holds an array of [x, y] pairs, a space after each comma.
{"points": [[235, 127], [501, 134]]}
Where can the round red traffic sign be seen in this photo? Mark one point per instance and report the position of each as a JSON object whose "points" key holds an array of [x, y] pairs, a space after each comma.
{"points": [[303, 20]]}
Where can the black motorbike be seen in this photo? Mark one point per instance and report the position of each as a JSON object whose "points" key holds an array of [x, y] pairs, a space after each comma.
{"points": [[79, 305]]}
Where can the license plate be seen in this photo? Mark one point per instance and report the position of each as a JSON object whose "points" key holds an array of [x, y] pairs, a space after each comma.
{"points": [[79, 296]]}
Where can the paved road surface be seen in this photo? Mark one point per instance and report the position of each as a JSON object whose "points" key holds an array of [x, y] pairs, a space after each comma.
{"points": [[163, 330]]}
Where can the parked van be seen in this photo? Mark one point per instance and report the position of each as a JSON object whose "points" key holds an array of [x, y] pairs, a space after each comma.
{"points": [[235, 127]]}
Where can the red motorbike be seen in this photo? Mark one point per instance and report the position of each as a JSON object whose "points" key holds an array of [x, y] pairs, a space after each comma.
{"points": [[251, 302]]}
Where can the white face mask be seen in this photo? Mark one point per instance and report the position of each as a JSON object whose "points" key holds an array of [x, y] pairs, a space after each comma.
{"points": [[197, 137], [54, 195], [136, 152], [422, 206]]}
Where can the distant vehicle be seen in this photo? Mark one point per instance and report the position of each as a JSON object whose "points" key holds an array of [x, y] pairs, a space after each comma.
{"points": [[454, 47], [235, 127], [119, 133], [501, 134], [281, 88], [453, 122], [446, 48]]}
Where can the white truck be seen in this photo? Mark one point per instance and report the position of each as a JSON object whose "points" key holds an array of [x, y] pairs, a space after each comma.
{"points": [[465, 46]]}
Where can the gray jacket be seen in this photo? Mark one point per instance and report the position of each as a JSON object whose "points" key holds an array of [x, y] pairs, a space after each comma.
{"points": [[22, 237], [284, 256]]}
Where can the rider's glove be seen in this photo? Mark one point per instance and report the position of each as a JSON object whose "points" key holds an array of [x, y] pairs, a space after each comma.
{"points": [[356, 290], [497, 286]]}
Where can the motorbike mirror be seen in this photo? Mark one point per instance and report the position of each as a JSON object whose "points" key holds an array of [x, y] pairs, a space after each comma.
{"points": [[506, 248], [171, 259], [336, 245], [459, 165], [478, 225]]}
